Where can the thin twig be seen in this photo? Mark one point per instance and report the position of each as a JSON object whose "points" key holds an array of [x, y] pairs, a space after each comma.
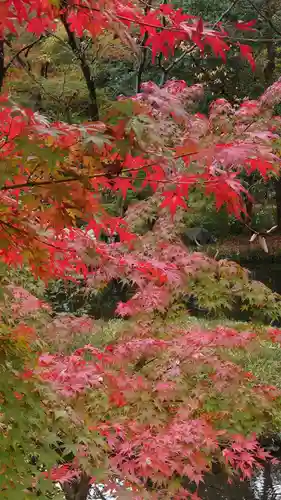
{"points": [[179, 59], [267, 19], [186, 52], [23, 49], [225, 13]]}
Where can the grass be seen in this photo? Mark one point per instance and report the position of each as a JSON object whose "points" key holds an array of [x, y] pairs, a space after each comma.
{"points": [[262, 359]]}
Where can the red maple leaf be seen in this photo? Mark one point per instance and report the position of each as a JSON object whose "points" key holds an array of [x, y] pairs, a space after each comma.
{"points": [[246, 26], [62, 473], [219, 46], [247, 52], [18, 395], [261, 165], [38, 25], [227, 190], [122, 184], [125, 236], [173, 200]]}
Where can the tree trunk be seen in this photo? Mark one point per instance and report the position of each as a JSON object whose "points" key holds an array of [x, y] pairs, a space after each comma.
{"points": [[269, 69], [86, 70], [267, 483], [2, 68], [44, 69], [278, 202], [77, 489], [270, 65], [144, 49]]}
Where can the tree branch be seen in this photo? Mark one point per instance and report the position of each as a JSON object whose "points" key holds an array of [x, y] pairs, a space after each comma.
{"points": [[265, 17], [17, 54], [31, 75], [81, 178], [93, 106], [222, 16], [172, 29], [143, 58], [176, 61], [2, 68]]}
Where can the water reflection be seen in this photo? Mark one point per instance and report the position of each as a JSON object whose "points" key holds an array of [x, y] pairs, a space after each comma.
{"points": [[265, 485]]}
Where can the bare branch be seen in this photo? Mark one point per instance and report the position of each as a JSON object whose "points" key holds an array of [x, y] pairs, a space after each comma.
{"points": [[265, 17], [222, 16], [19, 52]]}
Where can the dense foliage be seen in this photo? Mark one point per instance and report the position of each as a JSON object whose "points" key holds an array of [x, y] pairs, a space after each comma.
{"points": [[149, 409]]}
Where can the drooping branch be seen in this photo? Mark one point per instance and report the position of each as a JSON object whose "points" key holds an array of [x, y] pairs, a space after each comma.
{"points": [[16, 56], [26, 66], [225, 13]]}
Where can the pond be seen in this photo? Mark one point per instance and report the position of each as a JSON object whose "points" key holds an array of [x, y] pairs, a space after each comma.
{"points": [[267, 270], [265, 485]]}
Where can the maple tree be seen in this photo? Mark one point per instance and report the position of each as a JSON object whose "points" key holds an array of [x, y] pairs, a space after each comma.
{"points": [[160, 403]]}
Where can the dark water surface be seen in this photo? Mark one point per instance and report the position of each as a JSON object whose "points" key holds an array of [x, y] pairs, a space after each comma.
{"points": [[268, 271], [265, 485]]}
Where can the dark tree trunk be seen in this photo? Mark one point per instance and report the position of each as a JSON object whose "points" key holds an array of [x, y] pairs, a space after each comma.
{"points": [[44, 69], [267, 484], [77, 490], [249, 205], [270, 65], [143, 55], [250, 208], [2, 67], [278, 202], [269, 68], [86, 70], [141, 67]]}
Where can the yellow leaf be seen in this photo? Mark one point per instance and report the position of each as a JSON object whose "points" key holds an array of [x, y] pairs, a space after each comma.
{"points": [[88, 162]]}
